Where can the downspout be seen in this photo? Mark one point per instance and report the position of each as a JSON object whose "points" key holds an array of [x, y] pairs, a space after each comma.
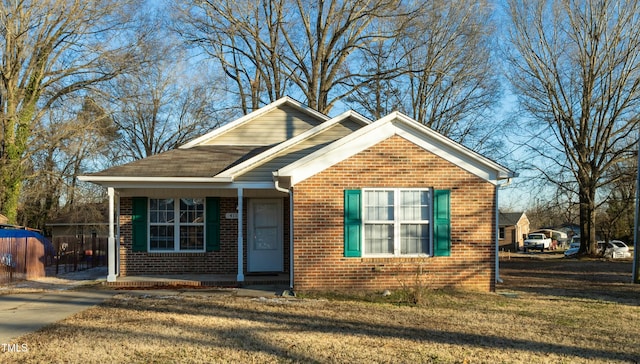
{"points": [[497, 229], [276, 184]]}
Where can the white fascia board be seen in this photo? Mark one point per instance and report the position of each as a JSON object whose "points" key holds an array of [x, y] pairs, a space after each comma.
{"points": [[450, 155], [269, 154], [107, 179], [455, 153], [457, 148], [252, 115], [336, 152], [184, 184], [392, 124]]}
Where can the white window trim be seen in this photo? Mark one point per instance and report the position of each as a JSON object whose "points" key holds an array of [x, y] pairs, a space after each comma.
{"points": [[397, 244], [176, 226]]}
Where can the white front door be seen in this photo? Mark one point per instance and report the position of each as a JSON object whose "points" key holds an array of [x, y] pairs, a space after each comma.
{"points": [[265, 236]]}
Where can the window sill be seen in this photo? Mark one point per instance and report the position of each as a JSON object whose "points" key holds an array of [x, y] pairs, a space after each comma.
{"points": [[394, 258], [176, 254]]}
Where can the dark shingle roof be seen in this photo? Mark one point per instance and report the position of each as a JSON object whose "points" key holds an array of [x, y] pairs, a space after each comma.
{"points": [[509, 218], [200, 161]]}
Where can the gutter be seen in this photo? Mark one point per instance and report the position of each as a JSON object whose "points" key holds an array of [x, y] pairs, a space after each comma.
{"points": [[497, 230], [276, 185]]}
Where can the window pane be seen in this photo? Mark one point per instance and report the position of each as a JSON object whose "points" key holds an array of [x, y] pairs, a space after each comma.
{"points": [[191, 210], [379, 205], [191, 238], [414, 238], [415, 205], [161, 237], [161, 210], [378, 238]]}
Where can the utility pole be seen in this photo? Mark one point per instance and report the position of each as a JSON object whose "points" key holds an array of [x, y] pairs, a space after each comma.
{"points": [[636, 233]]}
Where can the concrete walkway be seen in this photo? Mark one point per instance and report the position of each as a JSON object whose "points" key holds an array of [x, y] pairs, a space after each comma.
{"points": [[27, 306], [30, 305], [24, 313]]}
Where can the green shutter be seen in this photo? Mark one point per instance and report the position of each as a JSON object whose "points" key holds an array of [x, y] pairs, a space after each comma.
{"points": [[212, 239], [442, 223], [352, 223], [139, 224]]}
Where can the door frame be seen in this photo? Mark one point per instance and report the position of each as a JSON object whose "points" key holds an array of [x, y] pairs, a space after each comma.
{"points": [[251, 258]]}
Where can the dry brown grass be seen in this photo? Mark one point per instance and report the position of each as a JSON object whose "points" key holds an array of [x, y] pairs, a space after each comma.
{"points": [[517, 326]]}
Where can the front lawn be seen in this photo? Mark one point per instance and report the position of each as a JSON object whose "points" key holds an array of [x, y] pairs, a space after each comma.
{"points": [[515, 325]]}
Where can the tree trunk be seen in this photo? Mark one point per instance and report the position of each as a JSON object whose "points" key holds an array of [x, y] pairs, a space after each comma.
{"points": [[588, 241]]}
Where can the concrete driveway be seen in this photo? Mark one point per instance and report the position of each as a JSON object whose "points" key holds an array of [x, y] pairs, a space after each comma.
{"points": [[27, 312], [30, 305]]}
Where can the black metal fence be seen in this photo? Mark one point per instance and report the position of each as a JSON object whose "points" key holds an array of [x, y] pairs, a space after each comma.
{"points": [[78, 253]]}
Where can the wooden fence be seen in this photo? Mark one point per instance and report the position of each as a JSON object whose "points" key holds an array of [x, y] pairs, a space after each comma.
{"points": [[23, 257]]}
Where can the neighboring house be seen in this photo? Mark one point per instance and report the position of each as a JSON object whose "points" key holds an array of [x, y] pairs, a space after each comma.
{"points": [[337, 203], [514, 227], [81, 222], [80, 234]]}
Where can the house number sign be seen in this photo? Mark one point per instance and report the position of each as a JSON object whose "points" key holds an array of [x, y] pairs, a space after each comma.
{"points": [[231, 215]]}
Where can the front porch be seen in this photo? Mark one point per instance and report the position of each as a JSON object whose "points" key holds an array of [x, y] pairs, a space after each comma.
{"points": [[279, 280]]}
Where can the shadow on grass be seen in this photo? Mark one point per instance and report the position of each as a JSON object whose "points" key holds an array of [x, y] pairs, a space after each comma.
{"points": [[314, 322], [601, 280]]}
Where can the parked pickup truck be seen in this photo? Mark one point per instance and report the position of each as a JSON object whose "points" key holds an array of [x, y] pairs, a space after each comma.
{"points": [[537, 241]]}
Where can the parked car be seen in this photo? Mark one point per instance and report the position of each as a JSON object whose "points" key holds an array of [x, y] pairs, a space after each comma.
{"points": [[574, 248], [616, 249], [537, 241]]}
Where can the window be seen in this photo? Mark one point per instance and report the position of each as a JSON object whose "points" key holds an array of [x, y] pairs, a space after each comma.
{"points": [[501, 232], [397, 222], [176, 224]]}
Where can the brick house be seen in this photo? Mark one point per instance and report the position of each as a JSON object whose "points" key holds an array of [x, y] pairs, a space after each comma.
{"points": [[337, 203]]}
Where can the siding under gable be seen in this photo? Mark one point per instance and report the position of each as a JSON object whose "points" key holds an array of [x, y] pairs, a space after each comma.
{"points": [[274, 127], [264, 171]]}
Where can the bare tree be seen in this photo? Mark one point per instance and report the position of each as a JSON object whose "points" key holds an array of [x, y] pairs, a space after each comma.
{"points": [[63, 143], [270, 46], [439, 69], [617, 219], [246, 38], [576, 68], [162, 104], [50, 49], [451, 75]]}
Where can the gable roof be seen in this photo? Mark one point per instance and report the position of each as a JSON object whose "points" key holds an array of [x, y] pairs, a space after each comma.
{"points": [[298, 146], [317, 143], [509, 218], [395, 123], [299, 118]]}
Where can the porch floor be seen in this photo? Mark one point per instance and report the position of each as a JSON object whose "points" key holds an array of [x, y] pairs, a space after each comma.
{"points": [[280, 280]]}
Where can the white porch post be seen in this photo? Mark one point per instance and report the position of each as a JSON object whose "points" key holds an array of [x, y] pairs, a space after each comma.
{"points": [[111, 255], [240, 277], [497, 235]]}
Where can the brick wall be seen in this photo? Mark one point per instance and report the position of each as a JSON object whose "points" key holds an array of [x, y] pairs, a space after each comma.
{"points": [[220, 262], [319, 263]]}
